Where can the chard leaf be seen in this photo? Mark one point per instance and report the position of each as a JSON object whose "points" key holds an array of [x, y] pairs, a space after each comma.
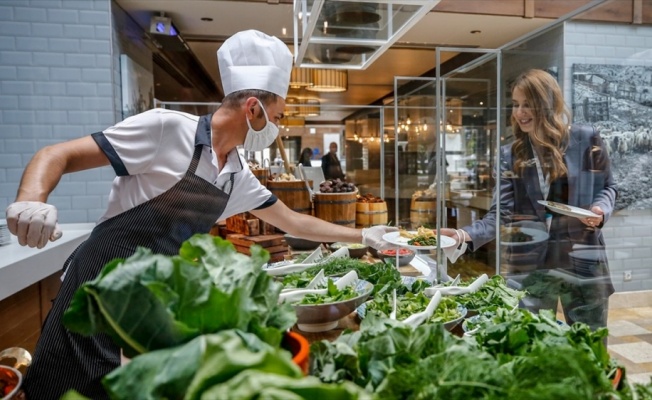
{"points": [[255, 384], [151, 301], [182, 372]]}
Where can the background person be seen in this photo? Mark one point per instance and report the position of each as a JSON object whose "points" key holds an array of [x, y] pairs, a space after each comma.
{"points": [[305, 157], [177, 174], [547, 161], [330, 164]]}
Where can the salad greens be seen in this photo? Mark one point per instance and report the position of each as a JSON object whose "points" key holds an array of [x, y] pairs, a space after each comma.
{"points": [[394, 362], [208, 287], [411, 303], [226, 365], [333, 296], [492, 295], [385, 277]]}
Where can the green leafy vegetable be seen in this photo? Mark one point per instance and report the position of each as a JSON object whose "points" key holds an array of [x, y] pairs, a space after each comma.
{"points": [[333, 296], [151, 301]]}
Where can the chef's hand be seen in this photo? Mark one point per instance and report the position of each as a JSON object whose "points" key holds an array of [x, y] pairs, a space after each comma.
{"points": [[458, 234], [373, 237], [33, 222], [594, 221]]}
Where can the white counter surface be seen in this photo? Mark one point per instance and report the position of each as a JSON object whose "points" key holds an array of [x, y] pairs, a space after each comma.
{"points": [[22, 266]]}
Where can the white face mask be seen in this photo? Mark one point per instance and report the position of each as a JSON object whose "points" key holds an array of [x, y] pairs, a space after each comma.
{"points": [[260, 140]]}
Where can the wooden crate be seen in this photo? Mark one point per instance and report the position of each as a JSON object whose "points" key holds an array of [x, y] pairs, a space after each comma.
{"points": [[244, 223], [275, 244], [248, 224]]}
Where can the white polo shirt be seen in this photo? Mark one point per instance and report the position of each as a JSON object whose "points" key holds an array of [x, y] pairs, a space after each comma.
{"points": [[152, 151]]}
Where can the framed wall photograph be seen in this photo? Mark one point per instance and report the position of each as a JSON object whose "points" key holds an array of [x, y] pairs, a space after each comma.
{"points": [[617, 100], [137, 87]]}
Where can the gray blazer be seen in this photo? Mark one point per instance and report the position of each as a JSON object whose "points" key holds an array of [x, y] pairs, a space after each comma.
{"points": [[588, 185]]}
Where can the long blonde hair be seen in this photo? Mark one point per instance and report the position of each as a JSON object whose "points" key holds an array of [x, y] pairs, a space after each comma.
{"points": [[551, 118]]}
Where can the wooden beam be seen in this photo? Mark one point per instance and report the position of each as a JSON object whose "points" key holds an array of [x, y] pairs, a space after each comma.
{"points": [[637, 12], [528, 6]]}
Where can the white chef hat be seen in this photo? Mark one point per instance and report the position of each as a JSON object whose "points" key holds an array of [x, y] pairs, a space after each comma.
{"points": [[253, 60]]}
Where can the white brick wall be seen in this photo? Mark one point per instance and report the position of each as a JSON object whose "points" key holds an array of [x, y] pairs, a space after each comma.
{"points": [[56, 80], [60, 80], [628, 234]]}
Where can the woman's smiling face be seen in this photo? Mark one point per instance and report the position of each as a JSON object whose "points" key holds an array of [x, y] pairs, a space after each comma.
{"points": [[521, 111]]}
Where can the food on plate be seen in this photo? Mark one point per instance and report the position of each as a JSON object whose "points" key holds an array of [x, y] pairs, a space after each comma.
{"points": [[421, 231], [559, 205], [336, 186], [515, 235], [422, 237]]}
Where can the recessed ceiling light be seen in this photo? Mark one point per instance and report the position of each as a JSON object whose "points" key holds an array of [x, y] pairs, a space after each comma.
{"points": [[207, 19], [473, 32]]}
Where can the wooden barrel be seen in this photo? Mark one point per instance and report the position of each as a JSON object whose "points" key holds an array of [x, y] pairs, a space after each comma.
{"points": [[338, 208], [261, 174], [370, 214], [294, 194], [423, 213]]}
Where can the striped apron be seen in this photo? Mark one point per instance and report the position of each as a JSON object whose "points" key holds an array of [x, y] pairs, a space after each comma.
{"points": [[64, 360]]}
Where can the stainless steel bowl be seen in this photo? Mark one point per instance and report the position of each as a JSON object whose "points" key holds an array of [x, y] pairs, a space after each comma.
{"points": [[324, 317]]}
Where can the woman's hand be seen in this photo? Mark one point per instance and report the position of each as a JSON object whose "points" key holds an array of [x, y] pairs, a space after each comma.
{"points": [[594, 221]]}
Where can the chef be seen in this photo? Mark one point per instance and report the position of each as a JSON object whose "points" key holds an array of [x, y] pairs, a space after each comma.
{"points": [[177, 174]]}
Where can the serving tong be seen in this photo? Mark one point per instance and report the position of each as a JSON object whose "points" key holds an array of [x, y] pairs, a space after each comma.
{"points": [[419, 318], [318, 280], [457, 290], [296, 295], [308, 262]]}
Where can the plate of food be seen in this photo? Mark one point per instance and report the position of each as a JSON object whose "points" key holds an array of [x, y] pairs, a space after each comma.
{"points": [[519, 236], [565, 209], [421, 239]]}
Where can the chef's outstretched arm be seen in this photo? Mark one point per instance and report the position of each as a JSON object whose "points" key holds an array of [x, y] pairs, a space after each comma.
{"points": [[29, 218], [309, 227]]}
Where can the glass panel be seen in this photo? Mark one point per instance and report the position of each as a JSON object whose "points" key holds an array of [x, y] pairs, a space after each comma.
{"points": [[351, 34], [469, 139]]}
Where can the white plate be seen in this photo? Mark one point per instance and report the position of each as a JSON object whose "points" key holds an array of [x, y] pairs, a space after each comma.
{"points": [[537, 236], [397, 239], [565, 209]]}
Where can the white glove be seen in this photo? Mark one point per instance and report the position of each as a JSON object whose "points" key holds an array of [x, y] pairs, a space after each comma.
{"points": [[373, 237], [33, 222]]}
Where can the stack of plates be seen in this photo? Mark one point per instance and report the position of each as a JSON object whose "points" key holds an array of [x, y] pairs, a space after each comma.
{"points": [[5, 236]]}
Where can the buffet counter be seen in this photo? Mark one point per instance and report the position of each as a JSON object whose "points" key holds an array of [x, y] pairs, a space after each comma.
{"points": [[22, 266]]}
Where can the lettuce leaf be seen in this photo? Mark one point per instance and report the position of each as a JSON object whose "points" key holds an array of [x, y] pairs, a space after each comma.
{"points": [[149, 301]]}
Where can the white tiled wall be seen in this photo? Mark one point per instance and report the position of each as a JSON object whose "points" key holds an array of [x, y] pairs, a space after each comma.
{"points": [[628, 234], [60, 80], [56, 84]]}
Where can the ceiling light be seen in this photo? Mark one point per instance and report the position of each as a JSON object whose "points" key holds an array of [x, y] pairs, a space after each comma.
{"points": [[329, 80], [300, 77], [310, 108], [291, 106]]}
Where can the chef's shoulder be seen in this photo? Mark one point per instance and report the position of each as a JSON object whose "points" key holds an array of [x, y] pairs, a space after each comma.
{"points": [[155, 119]]}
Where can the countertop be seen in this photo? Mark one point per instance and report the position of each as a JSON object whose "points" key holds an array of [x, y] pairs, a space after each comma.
{"points": [[22, 266]]}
